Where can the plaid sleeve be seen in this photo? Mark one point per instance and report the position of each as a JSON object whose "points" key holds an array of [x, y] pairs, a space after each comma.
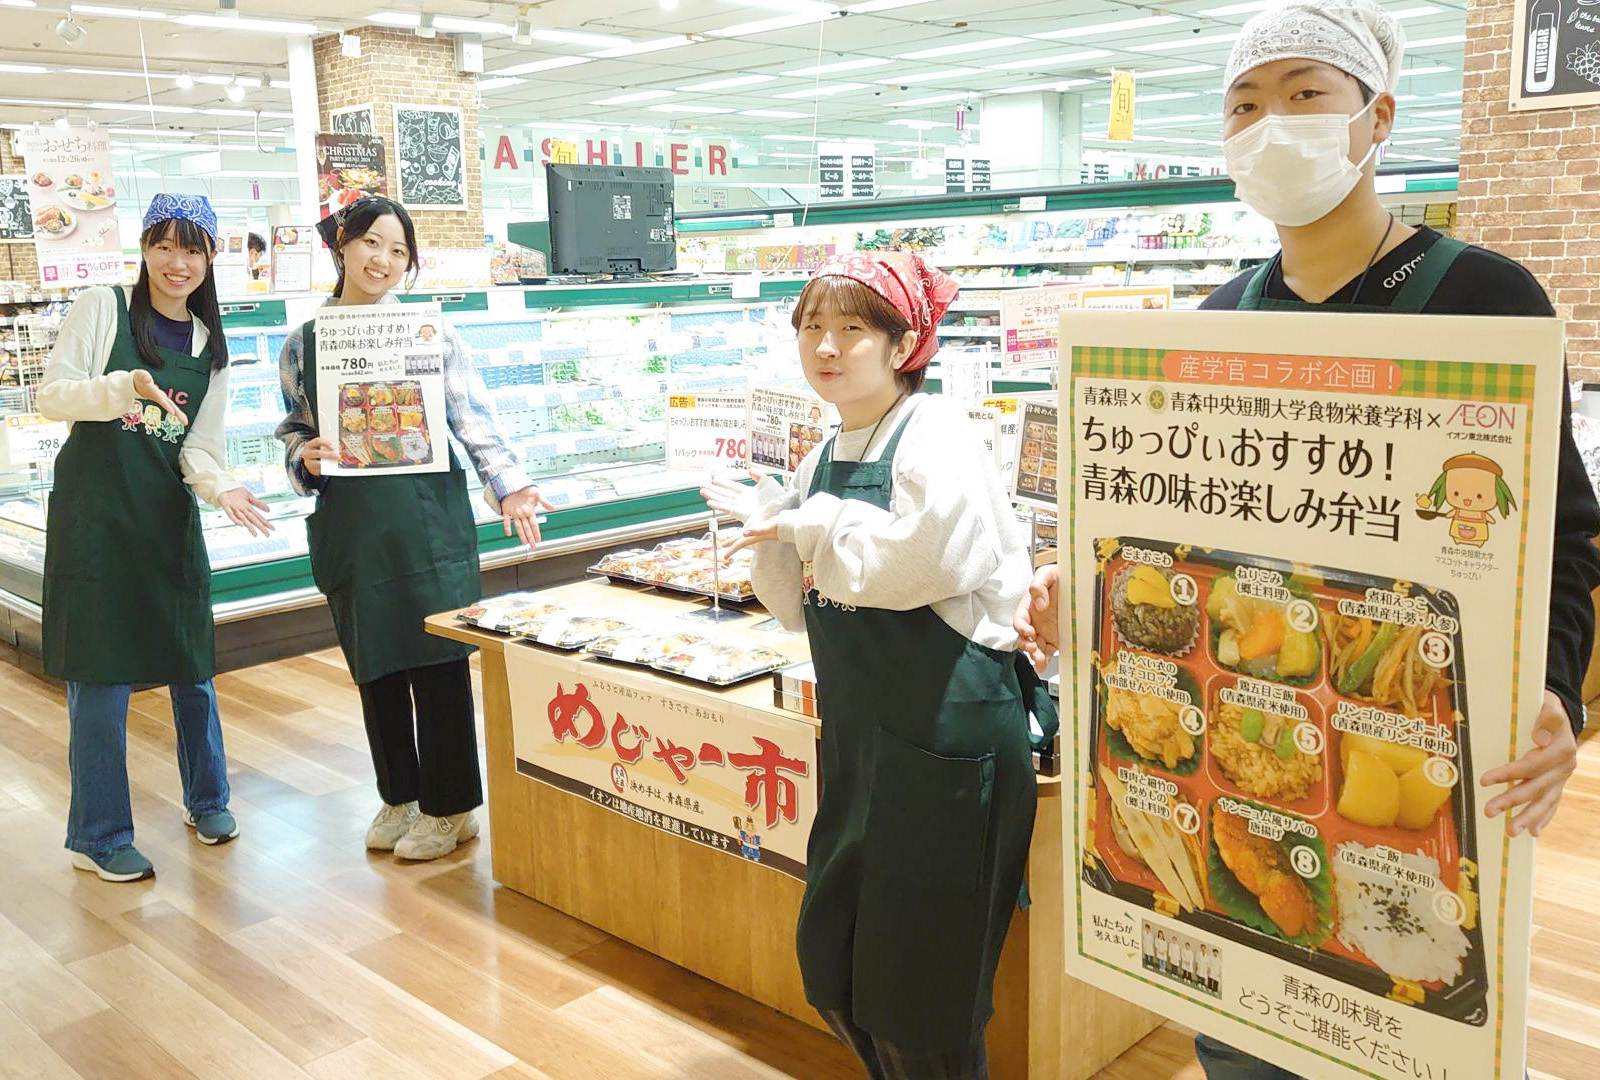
{"points": [[299, 425], [473, 424]]}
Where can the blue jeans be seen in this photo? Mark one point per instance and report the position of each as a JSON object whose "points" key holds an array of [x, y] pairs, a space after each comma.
{"points": [[100, 820], [1223, 1062]]}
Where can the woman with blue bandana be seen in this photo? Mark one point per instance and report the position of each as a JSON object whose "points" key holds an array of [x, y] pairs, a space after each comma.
{"points": [[141, 376]]}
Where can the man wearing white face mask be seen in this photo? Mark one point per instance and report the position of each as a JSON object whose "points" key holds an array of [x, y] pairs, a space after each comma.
{"points": [[1310, 90]]}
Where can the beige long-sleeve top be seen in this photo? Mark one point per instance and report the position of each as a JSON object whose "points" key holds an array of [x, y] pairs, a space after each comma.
{"points": [[77, 387], [949, 539]]}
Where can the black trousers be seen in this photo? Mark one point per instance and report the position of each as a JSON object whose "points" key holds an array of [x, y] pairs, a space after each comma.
{"points": [[424, 738]]}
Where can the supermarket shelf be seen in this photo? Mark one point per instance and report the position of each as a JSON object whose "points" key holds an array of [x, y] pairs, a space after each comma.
{"points": [[1100, 256], [987, 332]]}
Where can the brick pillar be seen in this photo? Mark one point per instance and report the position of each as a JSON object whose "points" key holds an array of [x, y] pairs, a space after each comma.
{"points": [[397, 67], [1530, 183], [18, 262]]}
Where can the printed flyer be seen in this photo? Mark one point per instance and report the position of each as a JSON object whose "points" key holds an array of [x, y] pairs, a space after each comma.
{"points": [[1308, 605], [708, 432], [73, 199], [985, 425], [1037, 468], [784, 426], [698, 765], [1029, 317], [349, 166], [380, 385], [293, 247]]}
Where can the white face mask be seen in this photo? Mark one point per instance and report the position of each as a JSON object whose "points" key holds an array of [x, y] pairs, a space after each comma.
{"points": [[1293, 170]]}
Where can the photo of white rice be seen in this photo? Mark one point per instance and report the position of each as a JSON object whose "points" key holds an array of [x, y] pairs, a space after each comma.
{"points": [[1394, 924]]}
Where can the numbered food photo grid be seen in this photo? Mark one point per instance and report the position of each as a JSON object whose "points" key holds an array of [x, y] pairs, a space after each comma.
{"points": [[383, 425], [1280, 755]]}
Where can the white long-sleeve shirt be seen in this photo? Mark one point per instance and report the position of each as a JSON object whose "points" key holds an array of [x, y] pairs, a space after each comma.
{"points": [[949, 540], [76, 387]]}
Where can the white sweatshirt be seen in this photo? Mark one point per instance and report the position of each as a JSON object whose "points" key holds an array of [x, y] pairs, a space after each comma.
{"points": [[76, 387], [949, 540]]}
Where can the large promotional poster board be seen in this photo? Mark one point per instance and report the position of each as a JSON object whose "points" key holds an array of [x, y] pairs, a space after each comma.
{"points": [[694, 764], [1307, 611], [73, 199]]}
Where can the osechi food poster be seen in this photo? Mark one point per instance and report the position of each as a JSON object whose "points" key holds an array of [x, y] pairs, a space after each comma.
{"points": [[380, 388], [1308, 605]]}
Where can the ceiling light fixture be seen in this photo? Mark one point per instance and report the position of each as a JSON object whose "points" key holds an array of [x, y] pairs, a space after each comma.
{"points": [[767, 26], [251, 26], [228, 8], [19, 3], [25, 69], [535, 66], [957, 50], [775, 114], [931, 76], [1186, 43], [117, 12], [1058, 60], [235, 92], [668, 5], [1428, 43], [1240, 9], [823, 91], [695, 109], [1186, 69], [728, 84], [523, 33], [634, 98], [935, 99], [185, 81], [843, 65], [1110, 27], [487, 85], [639, 48]]}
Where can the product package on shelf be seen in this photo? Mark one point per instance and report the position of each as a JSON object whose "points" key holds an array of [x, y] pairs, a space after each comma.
{"points": [[684, 566]]}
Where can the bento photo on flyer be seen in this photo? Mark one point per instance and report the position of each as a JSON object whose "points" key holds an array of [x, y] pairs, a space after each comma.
{"points": [[380, 385], [1306, 617]]}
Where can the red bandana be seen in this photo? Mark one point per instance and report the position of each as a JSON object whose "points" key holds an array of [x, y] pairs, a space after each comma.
{"points": [[919, 292]]}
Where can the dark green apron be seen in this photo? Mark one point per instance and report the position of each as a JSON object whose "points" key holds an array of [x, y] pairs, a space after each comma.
{"points": [[916, 859], [1413, 296], [387, 552], [127, 584]]}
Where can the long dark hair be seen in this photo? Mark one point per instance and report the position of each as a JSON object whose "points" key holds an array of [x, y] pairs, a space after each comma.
{"points": [[202, 303], [358, 219]]}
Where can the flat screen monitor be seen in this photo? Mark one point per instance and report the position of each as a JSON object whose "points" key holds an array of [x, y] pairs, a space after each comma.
{"points": [[611, 219]]}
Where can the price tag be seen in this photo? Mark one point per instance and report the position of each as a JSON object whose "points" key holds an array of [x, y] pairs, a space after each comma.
{"points": [[783, 221], [1029, 203], [707, 432], [31, 439]]}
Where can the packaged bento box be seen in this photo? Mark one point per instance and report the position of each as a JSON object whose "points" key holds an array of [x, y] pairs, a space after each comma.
{"points": [[1281, 757], [643, 646], [383, 424], [571, 629], [720, 664], [507, 614]]}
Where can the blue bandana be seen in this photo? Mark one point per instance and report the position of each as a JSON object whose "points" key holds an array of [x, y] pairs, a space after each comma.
{"points": [[195, 208]]}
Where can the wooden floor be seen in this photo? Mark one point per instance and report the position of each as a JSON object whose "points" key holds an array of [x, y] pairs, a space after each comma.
{"points": [[293, 953]]}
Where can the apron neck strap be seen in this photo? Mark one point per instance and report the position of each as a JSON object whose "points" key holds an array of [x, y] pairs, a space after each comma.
{"points": [[1256, 289], [1424, 280]]}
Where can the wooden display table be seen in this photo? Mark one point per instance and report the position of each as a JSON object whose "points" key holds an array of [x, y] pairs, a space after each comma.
{"points": [[732, 921]]}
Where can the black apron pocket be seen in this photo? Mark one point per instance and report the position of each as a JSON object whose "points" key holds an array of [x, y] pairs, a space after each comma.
{"points": [[923, 920]]}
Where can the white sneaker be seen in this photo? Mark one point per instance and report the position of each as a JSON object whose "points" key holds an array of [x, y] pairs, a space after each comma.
{"points": [[435, 837], [390, 825]]}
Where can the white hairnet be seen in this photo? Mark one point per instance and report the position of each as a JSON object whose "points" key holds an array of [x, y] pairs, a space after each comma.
{"points": [[1355, 36]]}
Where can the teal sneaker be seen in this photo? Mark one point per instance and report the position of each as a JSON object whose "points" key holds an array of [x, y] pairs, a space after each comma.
{"points": [[123, 864], [214, 828]]}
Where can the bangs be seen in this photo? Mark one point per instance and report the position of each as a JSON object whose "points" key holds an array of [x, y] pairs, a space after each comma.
{"points": [[180, 231], [847, 298]]}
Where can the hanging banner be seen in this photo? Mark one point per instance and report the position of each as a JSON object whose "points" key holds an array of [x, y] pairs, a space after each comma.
{"points": [[830, 172], [1029, 319], [784, 427], [1309, 605], [955, 176], [16, 212], [74, 201], [732, 778], [708, 432], [380, 386], [1555, 54], [430, 157], [863, 174], [1120, 127], [292, 249], [348, 167]]}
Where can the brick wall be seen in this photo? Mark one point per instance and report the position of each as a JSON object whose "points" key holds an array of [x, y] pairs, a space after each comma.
{"points": [[397, 67], [18, 262], [1530, 183]]}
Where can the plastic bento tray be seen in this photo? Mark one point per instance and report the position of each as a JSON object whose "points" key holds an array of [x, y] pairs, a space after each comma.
{"points": [[680, 566], [1271, 848]]}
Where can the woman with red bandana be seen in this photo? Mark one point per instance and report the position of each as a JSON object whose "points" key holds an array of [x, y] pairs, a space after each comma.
{"points": [[897, 550]]}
